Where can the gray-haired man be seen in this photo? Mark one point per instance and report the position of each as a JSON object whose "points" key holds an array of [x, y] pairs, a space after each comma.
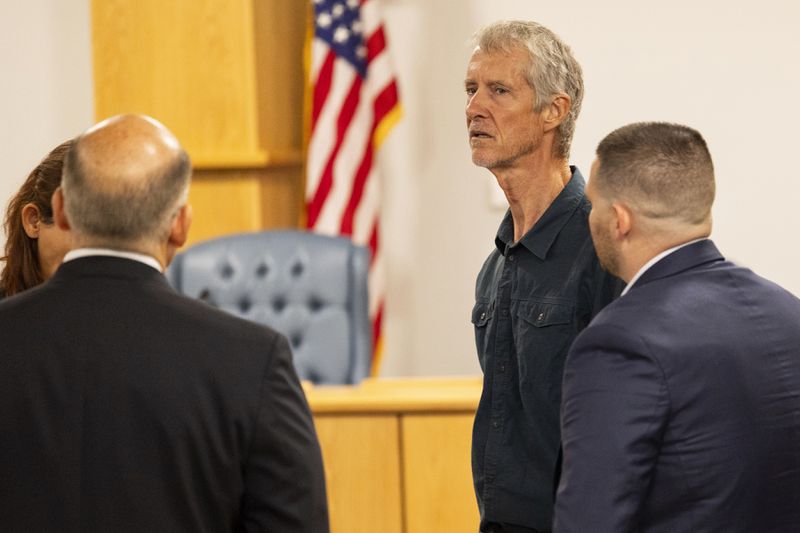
{"points": [[542, 283]]}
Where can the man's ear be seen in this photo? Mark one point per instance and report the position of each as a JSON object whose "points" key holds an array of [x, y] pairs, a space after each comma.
{"points": [[31, 218], [556, 112], [59, 216], [623, 217], [179, 231]]}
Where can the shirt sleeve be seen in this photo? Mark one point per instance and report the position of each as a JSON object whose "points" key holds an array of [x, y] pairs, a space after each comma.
{"points": [[614, 410], [284, 482]]}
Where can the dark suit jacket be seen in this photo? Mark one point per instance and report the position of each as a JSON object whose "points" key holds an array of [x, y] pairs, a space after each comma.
{"points": [[129, 408], [681, 405]]}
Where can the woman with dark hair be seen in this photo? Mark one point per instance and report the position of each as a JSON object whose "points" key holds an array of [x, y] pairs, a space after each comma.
{"points": [[35, 245]]}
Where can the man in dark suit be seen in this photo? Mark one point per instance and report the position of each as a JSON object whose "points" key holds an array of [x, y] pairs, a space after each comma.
{"points": [[127, 407], [681, 400]]}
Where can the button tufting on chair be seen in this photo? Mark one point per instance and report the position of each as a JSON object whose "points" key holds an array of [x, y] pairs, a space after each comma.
{"points": [[315, 304], [227, 271], [278, 305], [296, 340], [312, 288], [262, 270]]}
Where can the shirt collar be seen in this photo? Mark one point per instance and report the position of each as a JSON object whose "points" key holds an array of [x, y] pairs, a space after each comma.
{"points": [[543, 234], [89, 252], [655, 260]]}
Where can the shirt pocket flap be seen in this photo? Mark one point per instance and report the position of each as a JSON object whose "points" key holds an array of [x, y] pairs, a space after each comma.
{"points": [[542, 314], [481, 314]]}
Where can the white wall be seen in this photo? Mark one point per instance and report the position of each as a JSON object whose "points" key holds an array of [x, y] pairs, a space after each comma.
{"points": [[46, 89], [727, 68]]}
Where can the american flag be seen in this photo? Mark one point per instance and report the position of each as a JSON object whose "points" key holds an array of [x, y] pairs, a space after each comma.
{"points": [[354, 104]]}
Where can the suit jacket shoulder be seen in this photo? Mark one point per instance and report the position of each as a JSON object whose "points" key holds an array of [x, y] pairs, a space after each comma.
{"points": [[162, 413]]}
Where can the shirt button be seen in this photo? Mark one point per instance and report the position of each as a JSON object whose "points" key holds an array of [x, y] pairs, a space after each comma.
{"points": [[495, 424], [483, 315], [502, 367], [504, 312], [511, 258]]}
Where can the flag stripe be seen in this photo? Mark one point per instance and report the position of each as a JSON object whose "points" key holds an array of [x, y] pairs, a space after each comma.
{"points": [[348, 110], [367, 211], [375, 44], [373, 242], [322, 183], [384, 102], [353, 104], [347, 161], [322, 87]]}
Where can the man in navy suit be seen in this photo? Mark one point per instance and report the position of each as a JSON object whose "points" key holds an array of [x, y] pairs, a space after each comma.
{"points": [[127, 407], [681, 400]]}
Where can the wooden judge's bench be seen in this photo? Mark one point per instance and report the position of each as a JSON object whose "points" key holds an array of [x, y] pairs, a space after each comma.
{"points": [[397, 454]]}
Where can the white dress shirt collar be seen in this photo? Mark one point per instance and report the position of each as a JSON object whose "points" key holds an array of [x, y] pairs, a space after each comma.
{"points": [[655, 260], [89, 252]]}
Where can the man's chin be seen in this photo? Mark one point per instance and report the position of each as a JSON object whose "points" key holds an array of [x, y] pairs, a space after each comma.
{"points": [[478, 160], [482, 160]]}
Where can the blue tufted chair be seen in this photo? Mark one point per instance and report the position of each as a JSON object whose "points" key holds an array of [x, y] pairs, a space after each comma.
{"points": [[312, 288]]}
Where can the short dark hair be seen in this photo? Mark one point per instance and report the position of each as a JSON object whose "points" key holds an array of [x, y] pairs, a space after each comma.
{"points": [[663, 170], [22, 269]]}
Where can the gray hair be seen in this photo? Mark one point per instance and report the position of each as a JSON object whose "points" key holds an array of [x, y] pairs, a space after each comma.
{"points": [[124, 213], [663, 170], [552, 69]]}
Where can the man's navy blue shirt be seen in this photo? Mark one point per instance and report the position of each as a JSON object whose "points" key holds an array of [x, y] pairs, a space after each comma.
{"points": [[532, 298]]}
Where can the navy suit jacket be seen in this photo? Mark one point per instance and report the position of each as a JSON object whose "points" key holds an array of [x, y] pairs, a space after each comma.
{"points": [[127, 407], [681, 405]]}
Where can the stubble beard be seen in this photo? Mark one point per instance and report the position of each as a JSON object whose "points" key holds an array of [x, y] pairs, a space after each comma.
{"points": [[606, 254], [498, 162]]}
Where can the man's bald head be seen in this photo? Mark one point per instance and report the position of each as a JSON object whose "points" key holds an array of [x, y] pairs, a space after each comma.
{"points": [[124, 180]]}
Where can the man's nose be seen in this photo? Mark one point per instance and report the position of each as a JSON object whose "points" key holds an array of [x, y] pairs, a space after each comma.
{"points": [[475, 105]]}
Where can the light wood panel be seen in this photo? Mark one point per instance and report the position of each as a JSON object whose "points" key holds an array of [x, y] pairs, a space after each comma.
{"points": [[381, 395], [243, 200], [432, 420], [437, 476], [224, 204], [188, 63], [362, 470], [226, 76], [279, 40]]}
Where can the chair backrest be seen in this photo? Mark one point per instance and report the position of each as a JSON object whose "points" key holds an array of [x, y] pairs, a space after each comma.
{"points": [[310, 287]]}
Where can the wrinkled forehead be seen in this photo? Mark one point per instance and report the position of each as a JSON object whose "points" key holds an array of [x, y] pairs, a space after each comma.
{"points": [[498, 64]]}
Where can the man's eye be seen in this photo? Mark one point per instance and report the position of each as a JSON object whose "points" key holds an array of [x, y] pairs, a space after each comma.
{"points": [[500, 90], [470, 91]]}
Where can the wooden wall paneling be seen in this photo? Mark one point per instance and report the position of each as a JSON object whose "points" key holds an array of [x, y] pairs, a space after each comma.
{"points": [[224, 202], [226, 76], [362, 470], [282, 201], [436, 471], [188, 63], [280, 27]]}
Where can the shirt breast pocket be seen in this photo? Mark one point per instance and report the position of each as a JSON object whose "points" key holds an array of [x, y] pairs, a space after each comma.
{"points": [[544, 331], [481, 318]]}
